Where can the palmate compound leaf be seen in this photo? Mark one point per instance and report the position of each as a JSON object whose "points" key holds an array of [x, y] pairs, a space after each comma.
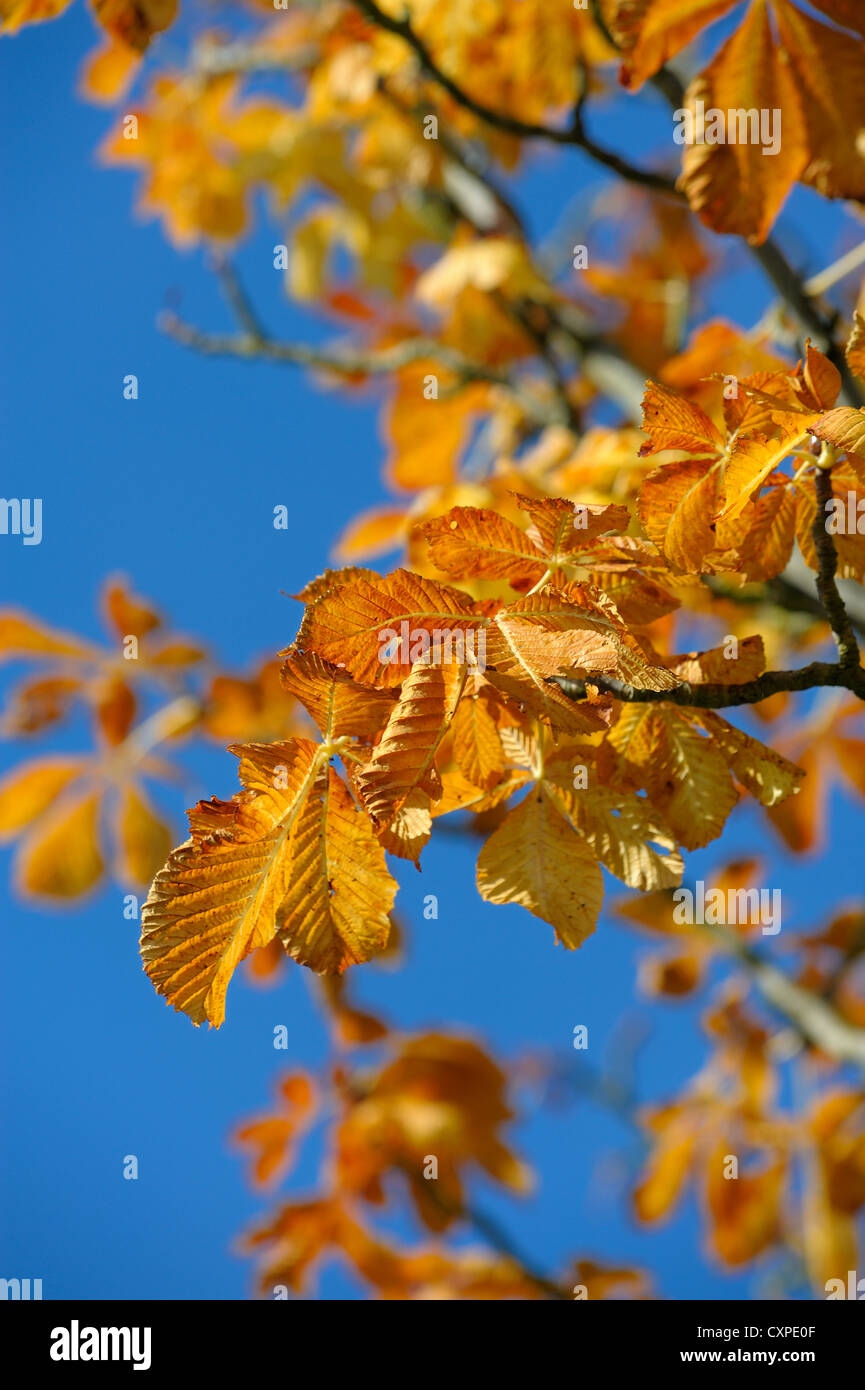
{"points": [[291, 855], [688, 777], [536, 859]]}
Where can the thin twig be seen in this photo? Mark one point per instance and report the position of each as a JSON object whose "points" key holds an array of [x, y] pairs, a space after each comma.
{"points": [[493, 1233], [348, 361]]}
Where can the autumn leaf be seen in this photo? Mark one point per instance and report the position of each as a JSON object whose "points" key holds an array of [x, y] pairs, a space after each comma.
{"points": [[477, 744], [536, 859], [378, 627], [145, 840], [650, 32], [673, 422], [403, 762], [60, 858], [468, 542], [27, 791], [733, 664], [338, 704], [669, 1166], [685, 776], [734, 186], [745, 1213], [622, 830], [751, 462], [767, 775], [678, 503], [291, 855]]}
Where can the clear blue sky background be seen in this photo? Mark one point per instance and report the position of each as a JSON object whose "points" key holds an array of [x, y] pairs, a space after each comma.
{"points": [[177, 491]]}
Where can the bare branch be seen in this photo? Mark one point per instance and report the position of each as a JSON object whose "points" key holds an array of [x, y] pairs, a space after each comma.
{"points": [[348, 361]]}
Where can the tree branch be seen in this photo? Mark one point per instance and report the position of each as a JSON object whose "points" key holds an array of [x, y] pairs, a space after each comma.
{"points": [[573, 135], [357, 362], [716, 696], [812, 1016], [768, 254], [494, 1234], [827, 560]]}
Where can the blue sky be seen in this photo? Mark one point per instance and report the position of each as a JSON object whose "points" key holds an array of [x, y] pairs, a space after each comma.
{"points": [[177, 491]]}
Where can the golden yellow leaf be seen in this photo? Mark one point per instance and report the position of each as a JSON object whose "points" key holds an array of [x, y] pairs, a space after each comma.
{"points": [[666, 1171], [843, 518], [427, 431], [23, 636], [834, 122], [60, 858], [27, 791], [575, 629], [472, 542], [732, 666], [335, 912], [767, 544], [338, 704], [537, 859], [16, 13], [477, 745], [403, 762], [623, 831], [844, 428], [650, 32], [685, 776], [677, 505], [734, 186], [144, 840], [745, 1212], [374, 533], [752, 461], [855, 348], [108, 72], [221, 894], [291, 855], [767, 775], [563, 528]]}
